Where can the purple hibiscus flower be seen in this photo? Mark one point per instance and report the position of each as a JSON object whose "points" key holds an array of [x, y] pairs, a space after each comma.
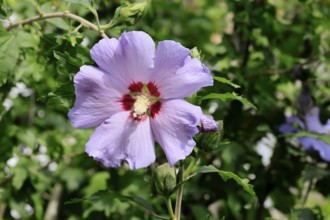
{"points": [[136, 95], [312, 124]]}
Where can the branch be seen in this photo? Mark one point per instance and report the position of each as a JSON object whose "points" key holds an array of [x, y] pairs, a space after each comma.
{"points": [[284, 71], [54, 202], [3, 207], [287, 71], [308, 190], [66, 14]]}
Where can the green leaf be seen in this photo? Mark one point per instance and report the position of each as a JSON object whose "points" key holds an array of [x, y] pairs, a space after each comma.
{"points": [[5, 36], [73, 177], [27, 40], [62, 97], [109, 195], [225, 175], [5, 10], [9, 53], [97, 182], [20, 175], [314, 172], [86, 3], [38, 205], [228, 96], [57, 22], [304, 214], [27, 137], [64, 59], [226, 81], [200, 212]]}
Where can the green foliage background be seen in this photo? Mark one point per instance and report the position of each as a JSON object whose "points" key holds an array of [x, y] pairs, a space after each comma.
{"points": [[266, 47]]}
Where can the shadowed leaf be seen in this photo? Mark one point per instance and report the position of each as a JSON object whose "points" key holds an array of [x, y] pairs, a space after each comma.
{"points": [[225, 97]]}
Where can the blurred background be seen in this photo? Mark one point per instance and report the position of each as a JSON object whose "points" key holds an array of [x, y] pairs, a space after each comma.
{"points": [[273, 49]]}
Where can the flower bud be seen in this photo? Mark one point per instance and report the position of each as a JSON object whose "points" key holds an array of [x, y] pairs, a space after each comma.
{"points": [[194, 53], [208, 124], [211, 133], [164, 179], [129, 13]]}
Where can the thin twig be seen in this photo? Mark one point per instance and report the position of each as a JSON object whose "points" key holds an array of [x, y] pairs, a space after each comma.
{"points": [[3, 207], [308, 190], [287, 71], [179, 193], [169, 207], [66, 14], [308, 61], [54, 202]]}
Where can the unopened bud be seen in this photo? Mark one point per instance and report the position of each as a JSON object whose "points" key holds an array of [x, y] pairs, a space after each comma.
{"points": [[129, 13], [208, 124], [164, 179], [194, 53]]}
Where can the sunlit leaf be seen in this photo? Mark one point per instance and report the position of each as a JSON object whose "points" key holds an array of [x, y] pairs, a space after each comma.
{"points": [[97, 182], [225, 175], [225, 97], [9, 52], [226, 81], [20, 175], [5, 36]]}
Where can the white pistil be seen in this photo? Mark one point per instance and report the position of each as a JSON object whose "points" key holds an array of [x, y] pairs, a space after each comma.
{"points": [[141, 105]]}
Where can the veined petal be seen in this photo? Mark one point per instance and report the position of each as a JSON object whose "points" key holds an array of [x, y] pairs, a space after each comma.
{"points": [[176, 73], [128, 59], [96, 98], [170, 56], [103, 52], [174, 126], [120, 138]]}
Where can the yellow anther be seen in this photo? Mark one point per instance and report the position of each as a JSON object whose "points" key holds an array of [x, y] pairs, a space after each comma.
{"points": [[141, 105]]}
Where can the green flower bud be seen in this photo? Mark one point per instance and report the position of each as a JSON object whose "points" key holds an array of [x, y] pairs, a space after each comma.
{"points": [[129, 13], [164, 179], [194, 53], [208, 139]]}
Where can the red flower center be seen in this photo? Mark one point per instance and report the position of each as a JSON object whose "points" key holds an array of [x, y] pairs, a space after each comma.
{"points": [[143, 100]]}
